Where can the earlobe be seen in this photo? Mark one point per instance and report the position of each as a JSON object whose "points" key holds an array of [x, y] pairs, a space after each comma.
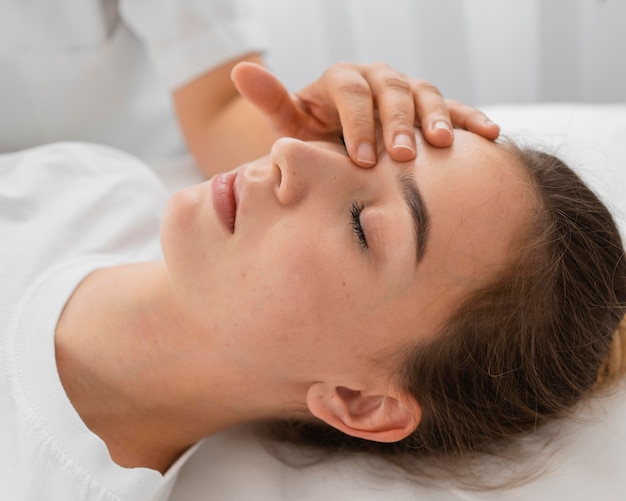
{"points": [[379, 417]]}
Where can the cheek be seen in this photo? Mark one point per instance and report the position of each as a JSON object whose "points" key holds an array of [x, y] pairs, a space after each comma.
{"points": [[307, 316], [306, 286], [190, 242], [300, 295], [177, 224]]}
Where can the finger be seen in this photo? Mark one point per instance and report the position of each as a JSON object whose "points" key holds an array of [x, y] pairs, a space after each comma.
{"points": [[432, 114], [350, 93], [466, 117], [267, 93], [396, 110]]}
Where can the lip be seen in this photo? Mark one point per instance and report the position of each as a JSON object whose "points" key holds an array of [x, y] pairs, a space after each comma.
{"points": [[224, 199]]}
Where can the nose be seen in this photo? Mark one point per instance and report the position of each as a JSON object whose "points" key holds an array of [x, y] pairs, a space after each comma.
{"points": [[302, 167]]}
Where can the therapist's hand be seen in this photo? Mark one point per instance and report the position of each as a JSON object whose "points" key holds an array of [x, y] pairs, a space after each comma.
{"points": [[347, 98]]}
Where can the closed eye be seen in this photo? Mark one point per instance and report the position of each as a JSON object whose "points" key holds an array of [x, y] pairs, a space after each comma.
{"points": [[359, 234]]}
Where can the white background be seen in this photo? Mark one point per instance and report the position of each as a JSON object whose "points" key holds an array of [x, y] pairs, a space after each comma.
{"points": [[477, 51]]}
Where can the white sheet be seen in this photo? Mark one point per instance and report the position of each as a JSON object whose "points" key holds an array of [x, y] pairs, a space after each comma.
{"points": [[591, 460]]}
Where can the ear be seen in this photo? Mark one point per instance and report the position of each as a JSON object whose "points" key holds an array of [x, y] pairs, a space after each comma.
{"points": [[387, 417]]}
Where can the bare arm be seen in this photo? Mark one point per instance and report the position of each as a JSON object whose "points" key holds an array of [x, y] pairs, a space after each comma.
{"points": [[222, 130]]}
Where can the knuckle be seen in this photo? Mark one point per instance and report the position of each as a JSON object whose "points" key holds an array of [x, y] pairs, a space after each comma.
{"points": [[379, 65], [398, 117], [358, 121], [340, 68], [381, 72], [397, 82], [356, 87], [422, 86]]}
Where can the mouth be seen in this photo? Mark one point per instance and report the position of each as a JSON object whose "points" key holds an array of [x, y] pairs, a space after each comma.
{"points": [[224, 199]]}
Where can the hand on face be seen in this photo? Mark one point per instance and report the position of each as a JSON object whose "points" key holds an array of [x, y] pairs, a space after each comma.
{"points": [[344, 101], [312, 258]]}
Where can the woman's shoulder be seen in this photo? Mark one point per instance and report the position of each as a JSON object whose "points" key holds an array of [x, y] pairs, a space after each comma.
{"points": [[72, 159], [69, 176], [67, 200]]}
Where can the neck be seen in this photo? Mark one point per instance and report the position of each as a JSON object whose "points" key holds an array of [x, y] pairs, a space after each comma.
{"points": [[140, 374]]}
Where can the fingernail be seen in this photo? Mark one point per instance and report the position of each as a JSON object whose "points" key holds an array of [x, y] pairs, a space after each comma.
{"points": [[403, 141], [441, 124], [488, 122], [365, 154]]}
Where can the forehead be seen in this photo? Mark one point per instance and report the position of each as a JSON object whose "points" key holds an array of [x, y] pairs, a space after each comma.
{"points": [[479, 201]]}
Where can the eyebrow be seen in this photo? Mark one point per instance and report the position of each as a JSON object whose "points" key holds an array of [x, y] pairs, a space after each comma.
{"points": [[419, 214]]}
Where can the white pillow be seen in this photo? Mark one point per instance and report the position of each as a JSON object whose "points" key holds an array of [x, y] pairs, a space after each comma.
{"points": [[590, 463]]}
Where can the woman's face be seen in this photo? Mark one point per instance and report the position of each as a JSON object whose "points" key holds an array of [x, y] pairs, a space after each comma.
{"points": [[321, 267]]}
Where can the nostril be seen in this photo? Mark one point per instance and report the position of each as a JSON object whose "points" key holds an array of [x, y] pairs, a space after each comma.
{"points": [[279, 177], [289, 157], [279, 174]]}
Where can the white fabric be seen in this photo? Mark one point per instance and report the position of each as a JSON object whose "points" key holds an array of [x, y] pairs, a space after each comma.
{"points": [[65, 210], [589, 462], [102, 70]]}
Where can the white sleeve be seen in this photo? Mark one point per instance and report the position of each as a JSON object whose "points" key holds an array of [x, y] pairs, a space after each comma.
{"points": [[189, 37]]}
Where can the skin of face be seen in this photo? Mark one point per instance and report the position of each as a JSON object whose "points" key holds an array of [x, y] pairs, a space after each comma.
{"points": [[293, 296]]}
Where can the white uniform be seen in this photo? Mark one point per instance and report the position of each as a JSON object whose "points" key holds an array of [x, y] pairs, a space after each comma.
{"points": [[65, 210], [102, 70]]}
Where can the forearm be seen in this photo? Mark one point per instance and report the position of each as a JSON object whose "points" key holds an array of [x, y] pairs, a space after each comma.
{"points": [[237, 134], [221, 129]]}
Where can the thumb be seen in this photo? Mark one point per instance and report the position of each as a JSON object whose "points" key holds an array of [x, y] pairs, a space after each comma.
{"points": [[259, 86]]}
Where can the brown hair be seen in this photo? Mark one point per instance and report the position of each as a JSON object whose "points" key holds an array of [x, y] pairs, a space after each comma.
{"points": [[523, 350]]}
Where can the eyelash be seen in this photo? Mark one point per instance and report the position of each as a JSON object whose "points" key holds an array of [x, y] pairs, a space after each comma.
{"points": [[355, 212]]}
